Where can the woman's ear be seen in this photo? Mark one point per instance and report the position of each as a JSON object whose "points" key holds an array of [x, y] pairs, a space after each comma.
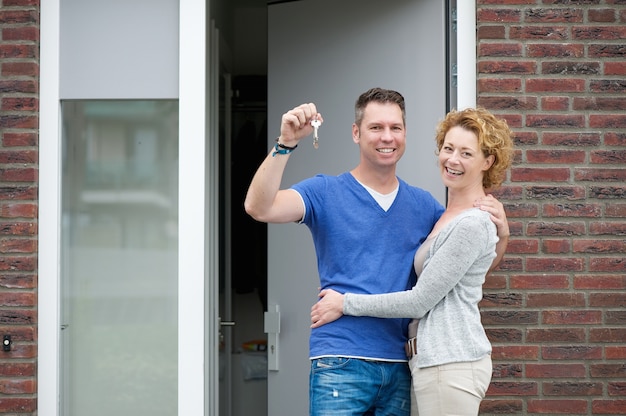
{"points": [[489, 162]]}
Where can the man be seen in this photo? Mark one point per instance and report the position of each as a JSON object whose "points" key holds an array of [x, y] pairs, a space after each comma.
{"points": [[366, 225]]}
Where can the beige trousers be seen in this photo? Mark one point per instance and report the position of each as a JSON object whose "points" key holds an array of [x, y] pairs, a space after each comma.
{"points": [[454, 389]]}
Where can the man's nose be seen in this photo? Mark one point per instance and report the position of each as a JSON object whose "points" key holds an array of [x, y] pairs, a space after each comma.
{"points": [[387, 135]]}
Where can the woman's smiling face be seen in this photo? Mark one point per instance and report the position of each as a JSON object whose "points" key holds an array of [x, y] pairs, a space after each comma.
{"points": [[461, 161]]}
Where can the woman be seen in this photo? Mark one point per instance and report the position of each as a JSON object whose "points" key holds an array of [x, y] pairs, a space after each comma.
{"points": [[448, 350]]}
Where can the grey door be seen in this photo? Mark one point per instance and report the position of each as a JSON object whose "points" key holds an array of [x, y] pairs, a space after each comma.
{"points": [[328, 52]]}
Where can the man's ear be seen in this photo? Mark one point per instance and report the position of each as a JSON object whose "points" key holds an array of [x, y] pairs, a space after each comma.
{"points": [[356, 134]]}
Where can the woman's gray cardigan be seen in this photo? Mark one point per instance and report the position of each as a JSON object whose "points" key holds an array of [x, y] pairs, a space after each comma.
{"points": [[446, 294]]}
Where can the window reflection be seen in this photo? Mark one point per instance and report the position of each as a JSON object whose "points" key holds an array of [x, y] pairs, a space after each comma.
{"points": [[119, 250]]}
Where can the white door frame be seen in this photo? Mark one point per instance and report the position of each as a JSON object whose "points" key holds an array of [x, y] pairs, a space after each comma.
{"points": [[197, 251], [196, 210], [466, 53]]}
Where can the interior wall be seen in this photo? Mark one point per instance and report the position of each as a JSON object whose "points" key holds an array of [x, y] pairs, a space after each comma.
{"points": [[250, 40]]}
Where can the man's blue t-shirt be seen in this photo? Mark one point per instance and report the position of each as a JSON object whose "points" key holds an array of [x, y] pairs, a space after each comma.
{"points": [[362, 248]]}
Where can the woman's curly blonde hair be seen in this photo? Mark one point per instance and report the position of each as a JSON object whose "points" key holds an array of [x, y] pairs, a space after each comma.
{"points": [[494, 138]]}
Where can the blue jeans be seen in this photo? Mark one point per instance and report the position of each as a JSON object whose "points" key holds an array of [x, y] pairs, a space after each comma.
{"points": [[354, 387]]}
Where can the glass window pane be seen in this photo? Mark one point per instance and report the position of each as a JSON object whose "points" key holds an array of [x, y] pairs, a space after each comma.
{"points": [[119, 249]]}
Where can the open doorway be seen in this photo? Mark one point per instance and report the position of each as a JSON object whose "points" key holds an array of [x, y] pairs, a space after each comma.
{"points": [[242, 26], [416, 65]]}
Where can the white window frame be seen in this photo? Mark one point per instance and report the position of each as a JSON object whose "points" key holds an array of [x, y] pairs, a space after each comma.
{"points": [[192, 245]]}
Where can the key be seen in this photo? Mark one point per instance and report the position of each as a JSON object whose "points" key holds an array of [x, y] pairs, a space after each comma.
{"points": [[316, 125]]}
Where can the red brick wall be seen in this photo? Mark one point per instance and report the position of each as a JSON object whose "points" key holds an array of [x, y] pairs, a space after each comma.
{"points": [[555, 310], [19, 105]]}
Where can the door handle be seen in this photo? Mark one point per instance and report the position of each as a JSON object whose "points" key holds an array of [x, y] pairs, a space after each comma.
{"points": [[272, 329], [223, 323]]}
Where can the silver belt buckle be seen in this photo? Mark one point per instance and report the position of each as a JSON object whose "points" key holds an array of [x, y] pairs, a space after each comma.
{"points": [[411, 348]]}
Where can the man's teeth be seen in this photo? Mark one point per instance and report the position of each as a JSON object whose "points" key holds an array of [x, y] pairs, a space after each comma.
{"points": [[385, 150]]}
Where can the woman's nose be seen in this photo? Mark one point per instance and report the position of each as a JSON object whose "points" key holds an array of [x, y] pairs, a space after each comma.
{"points": [[454, 157]]}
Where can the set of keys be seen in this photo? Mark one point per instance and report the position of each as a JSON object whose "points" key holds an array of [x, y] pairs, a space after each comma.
{"points": [[316, 125]]}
